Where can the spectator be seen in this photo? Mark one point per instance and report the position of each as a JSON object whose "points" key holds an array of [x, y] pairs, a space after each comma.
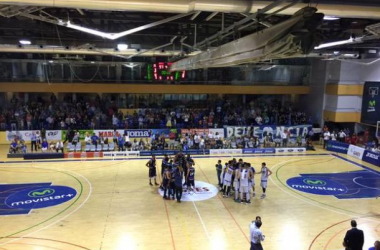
{"points": [[75, 139], [52, 146], [44, 146], [23, 146], [284, 137], [94, 140], [120, 141], [354, 139], [326, 138], [33, 140], [59, 146], [13, 147], [354, 239], [87, 139], [309, 145], [376, 246], [341, 136]]}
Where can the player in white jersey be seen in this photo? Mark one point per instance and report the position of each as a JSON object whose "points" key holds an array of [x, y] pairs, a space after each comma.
{"points": [[251, 180], [244, 183], [227, 179], [265, 173], [236, 181]]}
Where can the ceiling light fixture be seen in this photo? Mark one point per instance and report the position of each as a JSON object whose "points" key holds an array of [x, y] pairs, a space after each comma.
{"points": [[332, 44], [330, 18], [25, 42], [122, 46]]}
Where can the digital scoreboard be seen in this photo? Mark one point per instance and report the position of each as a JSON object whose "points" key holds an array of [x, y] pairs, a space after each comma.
{"points": [[160, 72]]}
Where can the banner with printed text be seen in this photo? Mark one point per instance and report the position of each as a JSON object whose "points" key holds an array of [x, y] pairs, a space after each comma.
{"points": [[262, 131], [51, 135]]}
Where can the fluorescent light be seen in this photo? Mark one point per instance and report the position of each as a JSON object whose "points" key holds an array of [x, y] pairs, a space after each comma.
{"points": [[332, 44], [92, 62], [87, 30], [25, 42], [122, 46], [51, 61], [331, 18]]}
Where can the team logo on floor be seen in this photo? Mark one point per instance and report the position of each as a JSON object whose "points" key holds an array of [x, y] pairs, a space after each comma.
{"points": [[316, 185], [22, 198], [202, 191]]}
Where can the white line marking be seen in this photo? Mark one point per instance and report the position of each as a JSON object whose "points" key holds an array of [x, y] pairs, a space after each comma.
{"points": [[354, 180], [312, 203], [88, 196], [203, 224]]}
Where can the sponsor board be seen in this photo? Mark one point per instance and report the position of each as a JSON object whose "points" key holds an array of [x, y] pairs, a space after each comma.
{"points": [[51, 135], [290, 150], [172, 152], [202, 191], [225, 151], [262, 131], [259, 151], [22, 198], [132, 133], [355, 151], [124, 153], [371, 157], [338, 147], [82, 133], [316, 185], [79, 155]]}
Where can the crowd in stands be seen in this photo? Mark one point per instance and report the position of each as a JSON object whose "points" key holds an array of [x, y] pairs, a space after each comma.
{"points": [[345, 136], [85, 113], [122, 142]]}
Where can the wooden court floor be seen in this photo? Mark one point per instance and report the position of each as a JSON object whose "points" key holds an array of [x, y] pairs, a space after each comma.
{"points": [[114, 208]]}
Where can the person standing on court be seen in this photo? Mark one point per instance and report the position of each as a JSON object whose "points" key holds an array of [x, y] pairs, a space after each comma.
{"points": [[219, 168], [178, 183], [326, 138], [354, 239], [33, 139], [256, 236]]}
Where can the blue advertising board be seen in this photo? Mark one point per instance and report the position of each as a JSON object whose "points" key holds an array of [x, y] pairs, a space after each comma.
{"points": [[259, 151], [371, 157], [270, 130], [338, 147]]}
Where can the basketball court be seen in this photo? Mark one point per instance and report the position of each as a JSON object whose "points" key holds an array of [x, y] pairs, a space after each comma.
{"points": [[108, 204]]}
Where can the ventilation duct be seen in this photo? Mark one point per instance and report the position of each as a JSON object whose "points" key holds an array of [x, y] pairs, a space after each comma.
{"points": [[295, 37]]}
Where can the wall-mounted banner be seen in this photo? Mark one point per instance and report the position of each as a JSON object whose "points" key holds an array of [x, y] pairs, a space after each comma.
{"points": [[259, 151], [272, 131], [51, 135], [356, 151], [132, 133], [338, 147], [82, 133]]}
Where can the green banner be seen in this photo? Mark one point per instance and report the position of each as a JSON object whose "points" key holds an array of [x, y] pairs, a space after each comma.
{"points": [[82, 133]]}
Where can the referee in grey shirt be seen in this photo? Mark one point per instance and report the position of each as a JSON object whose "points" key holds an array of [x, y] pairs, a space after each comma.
{"points": [[256, 236]]}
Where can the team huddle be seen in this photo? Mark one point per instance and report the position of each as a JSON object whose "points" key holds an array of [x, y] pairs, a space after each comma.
{"points": [[176, 173], [239, 177], [179, 172]]}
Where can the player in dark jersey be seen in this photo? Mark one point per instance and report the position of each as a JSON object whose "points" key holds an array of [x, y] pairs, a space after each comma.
{"points": [[178, 183], [151, 164], [190, 179], [181, 162], [172, 183], [164, 164], [166, 177]]}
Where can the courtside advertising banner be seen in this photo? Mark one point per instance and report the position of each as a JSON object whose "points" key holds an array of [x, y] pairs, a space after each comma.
{"points": [[51, 135], [132, 133], [203, 131], [371, 157], [356, 152], [262, 131], [338, 147]]}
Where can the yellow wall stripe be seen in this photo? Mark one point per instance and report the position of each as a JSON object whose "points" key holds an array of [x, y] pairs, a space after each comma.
{"points": [[341, 116], [344, 89]]}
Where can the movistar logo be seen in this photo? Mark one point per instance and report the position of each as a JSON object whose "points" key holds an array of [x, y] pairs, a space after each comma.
{"points": [[314, 182], [372, 103], [371, 106], [42, 192]]}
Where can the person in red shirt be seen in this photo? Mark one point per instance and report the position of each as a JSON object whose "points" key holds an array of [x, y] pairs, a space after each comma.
{"points": [[366, 136], [354, 139], [348, 140]]}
